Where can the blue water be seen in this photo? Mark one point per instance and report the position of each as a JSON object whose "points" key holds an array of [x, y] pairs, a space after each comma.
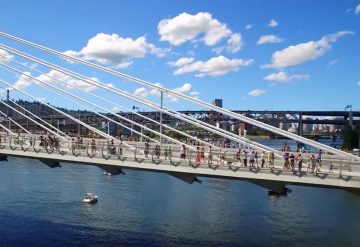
{"points": [[42, 207]]}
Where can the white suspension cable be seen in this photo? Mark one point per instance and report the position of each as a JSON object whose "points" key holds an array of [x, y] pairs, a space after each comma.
{"points": [[88, 102], [22, 114], [67, 115], [39, 118], [17, 124], [205, 104], [108, 101], [121, 93], [7, 130]]}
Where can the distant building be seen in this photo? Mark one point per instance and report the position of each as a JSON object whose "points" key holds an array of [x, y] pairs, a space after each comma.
{"points": [[217, 102]]}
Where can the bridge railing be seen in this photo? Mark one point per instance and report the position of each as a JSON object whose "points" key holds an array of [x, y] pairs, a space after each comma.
{"points": [[216, 158]]}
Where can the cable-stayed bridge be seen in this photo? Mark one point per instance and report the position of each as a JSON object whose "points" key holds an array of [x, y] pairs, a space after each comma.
{"points": [[159, 151]]}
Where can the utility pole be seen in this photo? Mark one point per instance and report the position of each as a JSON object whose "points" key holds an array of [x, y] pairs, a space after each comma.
{"points": [[7, 101]]}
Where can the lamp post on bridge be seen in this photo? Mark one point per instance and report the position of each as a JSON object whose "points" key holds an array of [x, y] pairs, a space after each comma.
{"points": [[132, 119], [350, 115]]}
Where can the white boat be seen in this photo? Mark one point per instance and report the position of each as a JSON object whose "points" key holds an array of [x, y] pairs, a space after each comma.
{"points": [[90, 198], [107, 174]]}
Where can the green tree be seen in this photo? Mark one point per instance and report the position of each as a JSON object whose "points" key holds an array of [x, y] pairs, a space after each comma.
{"points": [[357, 135], [347, 136]]}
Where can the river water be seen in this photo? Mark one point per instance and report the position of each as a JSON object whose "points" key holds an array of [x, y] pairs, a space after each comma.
{"points": [[42, 207]]}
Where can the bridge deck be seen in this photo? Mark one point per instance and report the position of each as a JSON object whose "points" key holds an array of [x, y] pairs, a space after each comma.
{"points": [[344, 174]]}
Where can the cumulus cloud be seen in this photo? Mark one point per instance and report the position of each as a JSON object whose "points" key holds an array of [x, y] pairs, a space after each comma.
{"points": [[186, 27], [181, 62], [115, 50], [272, 23], [185, 89], [55, 77], [256, 92], [284, 77], [269, 39], [234, 43], [141, 92], [249, 26], [303, 52], [5, 56], [23, 81], [357, 9], [215, 66]]}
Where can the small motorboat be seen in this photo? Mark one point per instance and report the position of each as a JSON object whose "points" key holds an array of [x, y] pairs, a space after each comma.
{"points": [[107, 174], [90, 198]]}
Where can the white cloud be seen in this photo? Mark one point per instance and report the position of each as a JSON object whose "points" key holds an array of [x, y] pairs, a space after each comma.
{"points": [[181, 61], [185, 89], [357, 9], [303, 52], [56, 77], [333, 62], [115, 50], [284, 77], [272, 23], [234, 43], [359, 82], [23, 81], [116, 108], [215, 66], [155, 91], [72, 54], [186, 27], [249, 26], [256, 92], [5, 56], [43, 99], [269, 39], [194, 94], [142, 92]]}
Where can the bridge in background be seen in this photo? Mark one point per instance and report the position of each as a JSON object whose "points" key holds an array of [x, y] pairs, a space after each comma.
{"points": [[274, 118], [184, 160]]}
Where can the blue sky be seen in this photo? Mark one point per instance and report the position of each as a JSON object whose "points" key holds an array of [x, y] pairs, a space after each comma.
{"points": [[258, 55]]}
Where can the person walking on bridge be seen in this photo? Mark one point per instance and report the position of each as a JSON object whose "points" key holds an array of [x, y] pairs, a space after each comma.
{"points": [[183, 153], [292, 161], [271, 159], [210, 155], [146, 152], [93, 146], [238, 156], [262, 159], [245, 158], [300, 160], [313, 163]]}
